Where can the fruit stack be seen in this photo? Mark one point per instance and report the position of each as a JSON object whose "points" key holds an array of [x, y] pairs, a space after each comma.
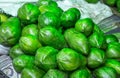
{"points": [[47, 42]]}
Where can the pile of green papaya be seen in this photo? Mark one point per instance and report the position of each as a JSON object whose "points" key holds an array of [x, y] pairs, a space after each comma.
{"points": [[48, 42]]}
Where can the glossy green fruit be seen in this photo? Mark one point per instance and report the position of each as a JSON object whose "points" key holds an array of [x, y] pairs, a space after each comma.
{"points": [[113, 50], [110, 2], [81, 73], [114, 64], [84, 26], [30, 30], [69, 60], [46, 2], [3, 17], [96, 58], [68, 18], [29, 44], [53, 9], [97, 40], [48, 19], [97, 29], [32, 73], [54, 73], [45, 58], [76, 12], [118, 5], [111, 38], [22, 62], [105, 72], [28, 13], [77, 41], [92, 1], [15, 51], [51, 37], [117, 35], [10, 31]]}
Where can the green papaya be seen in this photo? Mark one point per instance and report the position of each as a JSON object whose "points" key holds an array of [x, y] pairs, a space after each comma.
{"points": [[114, 64], [10, 31], [54, 73], [77, 41], [97, 40], [111, 38], [22, 62], [81, 73], [46, 2], [45, 58], [118, 5], [69, 17], [113, 50], [110, 2], [3, 17], [48, 19], [96, 58], [29, 44], [92, 1], [32, 73], [30, 30], [69, 60], [105, 72], [53, 9], [51, 37], [97, 29], [28, 13], [76, 12], [15, 51], [85, 26]]}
